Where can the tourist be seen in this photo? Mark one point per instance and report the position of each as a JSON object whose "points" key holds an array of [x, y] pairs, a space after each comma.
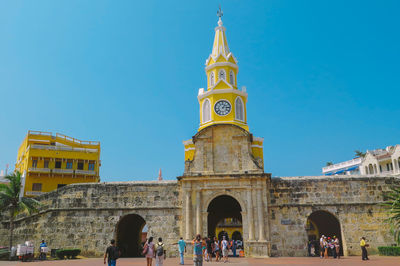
{"points": [[161, 253], [331, 246], [321, 246], [204, 248], [42, 250], [364, 246], [197, 251], [325, 247], [182, 249], [225, 248], [209, 244], [312, 250], [216, 249], [233, 247], [148, 251], [337, 246], [112, 254]]}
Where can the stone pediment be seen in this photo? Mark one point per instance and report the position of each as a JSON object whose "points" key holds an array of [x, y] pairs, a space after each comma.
{"points": [[222, 149]]}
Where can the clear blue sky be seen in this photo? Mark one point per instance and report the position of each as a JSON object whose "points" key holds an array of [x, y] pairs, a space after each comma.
{"points": [[323, 78]]}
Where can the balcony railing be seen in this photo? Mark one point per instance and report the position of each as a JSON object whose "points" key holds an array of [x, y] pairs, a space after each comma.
{"points": [[39, 170], [341, 165], [34, 193], [85, 172], [61, 171], [60, 148]]}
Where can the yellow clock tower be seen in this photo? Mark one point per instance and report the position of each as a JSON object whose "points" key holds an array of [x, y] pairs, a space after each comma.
{"points": [[222, 102]]}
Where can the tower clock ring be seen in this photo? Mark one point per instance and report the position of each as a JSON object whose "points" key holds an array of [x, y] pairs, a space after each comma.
{"points": [[222, 107]]}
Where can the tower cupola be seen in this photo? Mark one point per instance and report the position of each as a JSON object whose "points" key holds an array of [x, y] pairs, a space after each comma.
{"points": [[222, 102]]}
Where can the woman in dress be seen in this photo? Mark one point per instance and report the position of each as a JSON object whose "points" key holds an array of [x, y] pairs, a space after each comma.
{"points": [[149, 251]]}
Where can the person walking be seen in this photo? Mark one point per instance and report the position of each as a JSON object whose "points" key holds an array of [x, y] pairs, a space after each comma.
{"points": [[148, 251], [233, 247], [216, 249], [325, 247], [209, 244], [321, 246], [364, 246], [112, 254], [225, 248], [161, 253], [197, 251], [42, 250], [182, 249], [337, 246]]}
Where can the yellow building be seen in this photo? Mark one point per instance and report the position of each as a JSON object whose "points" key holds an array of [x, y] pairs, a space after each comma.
{"points": [[222, 102], [48, 162]]}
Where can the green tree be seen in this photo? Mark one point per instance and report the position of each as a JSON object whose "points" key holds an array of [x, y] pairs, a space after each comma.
{"points": [[329, 163], [12, 204], [392, 202], [359, 153]]}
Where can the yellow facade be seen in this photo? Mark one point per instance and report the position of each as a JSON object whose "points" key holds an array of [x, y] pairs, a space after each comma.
{"points": [[222, 102], [48, 162]]}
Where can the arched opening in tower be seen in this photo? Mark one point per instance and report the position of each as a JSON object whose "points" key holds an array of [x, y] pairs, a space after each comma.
{"points": [[323, 223], [224, 218], [131, 235]]}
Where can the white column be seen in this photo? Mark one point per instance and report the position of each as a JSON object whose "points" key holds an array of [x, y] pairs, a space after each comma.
{"points": [[198, 212], [250, 220], [260, 212], [187, 215]]}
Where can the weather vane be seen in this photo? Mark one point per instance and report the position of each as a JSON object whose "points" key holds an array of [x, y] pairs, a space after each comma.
{"points": [[219, 12]]}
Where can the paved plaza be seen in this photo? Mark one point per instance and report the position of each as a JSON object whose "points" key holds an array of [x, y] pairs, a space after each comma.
{"points": [[353, 261]]}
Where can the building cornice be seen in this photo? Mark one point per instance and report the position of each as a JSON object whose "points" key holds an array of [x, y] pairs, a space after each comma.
{"points": [[221, 91]]}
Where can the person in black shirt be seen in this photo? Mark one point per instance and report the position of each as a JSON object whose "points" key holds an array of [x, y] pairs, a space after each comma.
{"points": [[112, 253], [209, 244]]}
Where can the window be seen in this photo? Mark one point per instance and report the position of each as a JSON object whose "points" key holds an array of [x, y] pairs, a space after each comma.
{"points": [[69, 164], [221, 74], [80, 165], [61, 185], [46, 163], [239, 110], [212, 81], [34, 163], [231, 78], [91, 165], [380, 168], [206, 111], [37, 187], [58, 164]]}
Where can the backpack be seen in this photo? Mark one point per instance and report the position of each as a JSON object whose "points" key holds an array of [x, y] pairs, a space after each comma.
{"points": [[114, 254], [160, 250], [197, 248]]}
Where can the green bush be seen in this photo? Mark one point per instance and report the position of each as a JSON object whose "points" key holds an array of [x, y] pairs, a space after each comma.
{"points": [[389, 251], [4, 254], [67, 253]]}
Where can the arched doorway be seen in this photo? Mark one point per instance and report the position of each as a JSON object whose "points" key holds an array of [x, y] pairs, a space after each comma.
{"points": [[323, 223], [224, 216], [237, 236], [131, 232]]}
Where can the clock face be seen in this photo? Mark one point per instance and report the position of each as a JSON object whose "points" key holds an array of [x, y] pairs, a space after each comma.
{"points": [[222, 107]]}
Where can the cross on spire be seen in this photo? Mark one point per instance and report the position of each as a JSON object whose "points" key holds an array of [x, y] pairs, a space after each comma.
{"points": [[220, 13]]}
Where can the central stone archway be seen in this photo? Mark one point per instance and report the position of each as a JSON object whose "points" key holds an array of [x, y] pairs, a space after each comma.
{"points": [[224, 216], [130, 234]]}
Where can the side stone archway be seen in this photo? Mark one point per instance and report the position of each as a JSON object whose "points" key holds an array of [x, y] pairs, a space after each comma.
{"points": [[323, 223], [130, 235]]}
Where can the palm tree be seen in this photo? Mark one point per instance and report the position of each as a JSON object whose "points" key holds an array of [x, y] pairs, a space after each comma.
{"points": [[12, 203], [329, 163], [359, 154], [392, 202]]}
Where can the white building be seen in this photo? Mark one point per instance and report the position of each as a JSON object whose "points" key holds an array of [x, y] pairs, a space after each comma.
{"points": [[376, 162]]}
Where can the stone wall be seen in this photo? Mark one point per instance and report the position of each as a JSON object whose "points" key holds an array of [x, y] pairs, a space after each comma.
{"points": [[354, 201], [85, 216]]}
